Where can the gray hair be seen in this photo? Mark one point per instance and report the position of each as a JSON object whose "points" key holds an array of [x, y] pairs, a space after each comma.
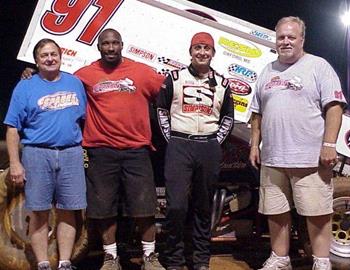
{"points": [[294, 19]]}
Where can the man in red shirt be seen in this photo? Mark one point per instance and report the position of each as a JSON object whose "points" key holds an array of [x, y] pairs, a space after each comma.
{"points": [[117, 136]]}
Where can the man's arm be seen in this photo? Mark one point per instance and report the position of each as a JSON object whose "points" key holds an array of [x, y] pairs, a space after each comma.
{"points": [[254, 155], [28, 73], [17, 173], [226, 117], [333, 119], [163, 104]]}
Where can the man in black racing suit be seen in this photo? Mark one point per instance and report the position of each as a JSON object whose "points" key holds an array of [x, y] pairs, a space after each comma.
{"points": [[195, 113]]}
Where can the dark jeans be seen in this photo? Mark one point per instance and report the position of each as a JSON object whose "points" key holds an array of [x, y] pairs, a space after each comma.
{"points": [[191, 169]]}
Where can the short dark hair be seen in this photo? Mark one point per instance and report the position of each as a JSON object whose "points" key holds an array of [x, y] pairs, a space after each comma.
{"points": [[41, 43]]}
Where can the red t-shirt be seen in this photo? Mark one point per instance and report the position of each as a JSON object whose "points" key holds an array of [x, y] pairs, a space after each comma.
{"points": [[118, 111]]}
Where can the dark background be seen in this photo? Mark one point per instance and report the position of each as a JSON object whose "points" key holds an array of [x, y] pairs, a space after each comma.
{"points": [[325, 34]]}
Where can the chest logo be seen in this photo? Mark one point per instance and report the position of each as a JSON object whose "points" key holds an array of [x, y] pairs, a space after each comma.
{"points": [[58, 101], [123, 85], [197, 99]]}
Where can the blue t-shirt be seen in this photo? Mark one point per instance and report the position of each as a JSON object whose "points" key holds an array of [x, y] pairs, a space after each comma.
{"points": [[48, 113]]}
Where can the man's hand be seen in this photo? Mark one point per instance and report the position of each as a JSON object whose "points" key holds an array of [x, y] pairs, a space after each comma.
{"points": [[254, 157], [27, 73], [17, 174], [328, 156]]}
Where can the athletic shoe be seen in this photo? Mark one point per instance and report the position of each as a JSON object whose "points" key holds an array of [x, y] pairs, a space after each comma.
{"points": [[110, 263], [203, 267], [277, 263], [151, 262], [66, 266], [321, 264], [44, 266]]}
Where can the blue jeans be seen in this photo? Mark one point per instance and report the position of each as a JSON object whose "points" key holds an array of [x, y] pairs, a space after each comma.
{"points": [[54, 177]]}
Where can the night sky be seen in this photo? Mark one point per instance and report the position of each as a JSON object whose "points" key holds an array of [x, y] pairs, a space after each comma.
{"points": [[325, 34]]}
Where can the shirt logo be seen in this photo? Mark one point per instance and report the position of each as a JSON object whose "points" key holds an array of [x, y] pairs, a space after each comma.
{"points": [[124, 85], [197, 99], [278, 83], [338, 94], [58, 101]]}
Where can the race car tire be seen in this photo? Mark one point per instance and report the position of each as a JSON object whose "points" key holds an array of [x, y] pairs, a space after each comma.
{"points": [[15, 249]]}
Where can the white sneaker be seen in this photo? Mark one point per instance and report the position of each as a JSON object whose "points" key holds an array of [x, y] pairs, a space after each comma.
{"points": [[321, 264], [277, 263]]}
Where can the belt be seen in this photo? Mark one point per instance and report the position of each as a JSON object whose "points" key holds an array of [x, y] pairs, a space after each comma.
{"points": [[192, 137], [52, 147]]}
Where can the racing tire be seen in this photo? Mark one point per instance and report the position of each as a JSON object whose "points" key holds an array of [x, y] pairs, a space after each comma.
{"points": [[15, 249], [340, 242], [340, 245]]}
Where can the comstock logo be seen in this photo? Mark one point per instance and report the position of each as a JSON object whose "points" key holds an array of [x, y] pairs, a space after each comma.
{"points": [[239, 48]]}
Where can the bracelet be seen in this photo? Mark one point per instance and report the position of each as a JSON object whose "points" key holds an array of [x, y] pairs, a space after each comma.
{"points": [[333, 145], [254, 146]]}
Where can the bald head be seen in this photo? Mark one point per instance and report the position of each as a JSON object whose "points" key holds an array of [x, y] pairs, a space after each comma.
{"points": [[106, 32], [110, 45]]}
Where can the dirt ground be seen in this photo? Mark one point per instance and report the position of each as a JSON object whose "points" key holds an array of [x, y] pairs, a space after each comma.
{"points": [[243, 254]]}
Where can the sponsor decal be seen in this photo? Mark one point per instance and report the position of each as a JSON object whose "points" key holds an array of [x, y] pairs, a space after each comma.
{"points": [[244, 50], [235, 154], [236, 57], [197, 99], [224, 128], [142, 53], [124, 85], [260, 35], [239, 87], [68, 52], [242, 72], [163, 120], [171, 63], [58, 101], [240, 103]]}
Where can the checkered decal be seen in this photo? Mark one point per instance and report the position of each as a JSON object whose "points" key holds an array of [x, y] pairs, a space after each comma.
{"points": [[245, 74], [172, 63]]}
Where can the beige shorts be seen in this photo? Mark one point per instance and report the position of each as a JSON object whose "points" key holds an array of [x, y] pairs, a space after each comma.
{"points": [[309, 190]]}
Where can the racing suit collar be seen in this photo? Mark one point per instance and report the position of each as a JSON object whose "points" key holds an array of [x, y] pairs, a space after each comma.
{"points": [[211, 75]]}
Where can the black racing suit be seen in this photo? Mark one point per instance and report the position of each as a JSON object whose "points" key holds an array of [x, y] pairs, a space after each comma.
{"points": [[195, 116]]}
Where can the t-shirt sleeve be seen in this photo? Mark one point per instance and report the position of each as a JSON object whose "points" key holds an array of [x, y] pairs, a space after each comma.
{"points": [[256, 102], [83, 100], [329, 84], [16, 113], [155, 82]]}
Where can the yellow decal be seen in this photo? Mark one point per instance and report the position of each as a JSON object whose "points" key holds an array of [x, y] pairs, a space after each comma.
{"points": [[240, 103], [239, 48]]}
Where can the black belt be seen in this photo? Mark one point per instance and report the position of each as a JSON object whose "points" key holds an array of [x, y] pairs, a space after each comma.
{"points": [[52, 147], [186, 136]]}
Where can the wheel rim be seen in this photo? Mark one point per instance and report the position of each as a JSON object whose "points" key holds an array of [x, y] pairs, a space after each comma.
{"points": [[340, 244]]}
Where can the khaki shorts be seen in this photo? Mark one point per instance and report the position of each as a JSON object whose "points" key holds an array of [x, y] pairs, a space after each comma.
{"points": [[310, 190]]}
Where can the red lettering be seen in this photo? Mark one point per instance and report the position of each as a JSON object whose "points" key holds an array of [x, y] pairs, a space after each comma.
{"points": [[66, 14], [106, 10]]}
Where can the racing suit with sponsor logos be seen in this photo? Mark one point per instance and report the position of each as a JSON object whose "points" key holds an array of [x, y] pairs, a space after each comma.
{"points": [[195, 115]]}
